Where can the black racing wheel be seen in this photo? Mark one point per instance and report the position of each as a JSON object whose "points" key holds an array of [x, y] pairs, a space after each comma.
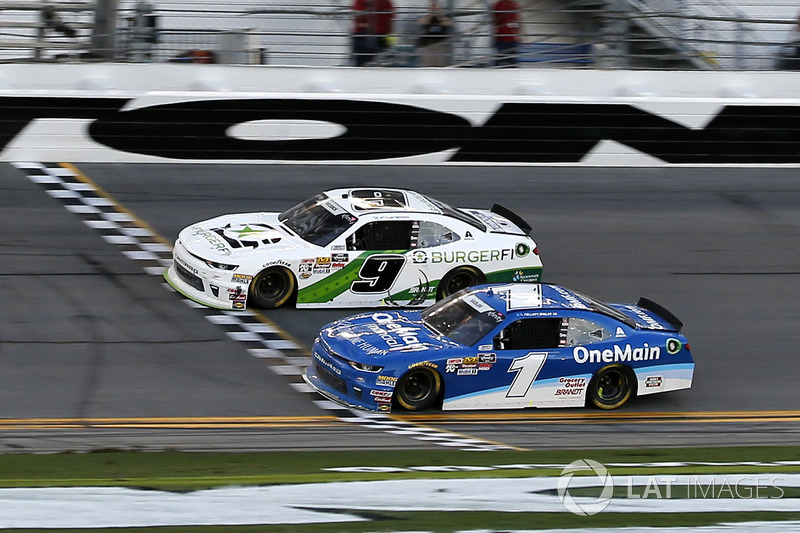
{"points": [[457, 279], [418, 389], [272, 288], [611, 387]]}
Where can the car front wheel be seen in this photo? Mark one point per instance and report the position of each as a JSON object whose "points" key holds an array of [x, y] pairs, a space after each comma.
{"points": [[272, 288], [611, 387], [418, 389]]}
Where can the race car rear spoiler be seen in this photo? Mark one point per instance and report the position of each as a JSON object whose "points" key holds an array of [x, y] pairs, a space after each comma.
{"points": [[650, 305], [512, 217]]}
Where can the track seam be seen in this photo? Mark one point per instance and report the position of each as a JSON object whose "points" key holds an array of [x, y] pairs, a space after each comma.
{"points": [[260, 337]]}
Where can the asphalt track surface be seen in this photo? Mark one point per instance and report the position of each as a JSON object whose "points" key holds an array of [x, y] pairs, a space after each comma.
{"points": [[96, 353]]}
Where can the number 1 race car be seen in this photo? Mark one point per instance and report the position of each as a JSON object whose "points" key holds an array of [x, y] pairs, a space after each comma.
{"points": [[499, 346], [351, 248]]}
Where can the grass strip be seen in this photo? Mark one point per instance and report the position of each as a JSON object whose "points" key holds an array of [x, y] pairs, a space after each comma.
{"points": [[447, 522], [184, 471]]}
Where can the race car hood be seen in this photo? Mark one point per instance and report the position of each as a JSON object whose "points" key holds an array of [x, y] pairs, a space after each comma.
{"points": [[649, 318], [232, 236], [375, 336]]}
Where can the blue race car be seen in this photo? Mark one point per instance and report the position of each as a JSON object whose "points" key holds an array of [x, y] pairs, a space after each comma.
{"points": [[501, 346]]}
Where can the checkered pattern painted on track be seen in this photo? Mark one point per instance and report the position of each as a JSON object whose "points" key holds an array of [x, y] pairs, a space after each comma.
{"points": [[262, 338]]}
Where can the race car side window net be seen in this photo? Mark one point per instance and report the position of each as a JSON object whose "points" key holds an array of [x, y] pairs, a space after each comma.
{"points": [[385, 235], [530, 334]]}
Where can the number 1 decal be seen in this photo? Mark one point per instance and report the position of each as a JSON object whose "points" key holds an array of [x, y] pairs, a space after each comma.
{"points": [[527, 368], [378, 273]]}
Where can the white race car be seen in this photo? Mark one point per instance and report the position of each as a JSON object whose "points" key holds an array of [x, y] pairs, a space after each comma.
{"points": [[351, 248]]}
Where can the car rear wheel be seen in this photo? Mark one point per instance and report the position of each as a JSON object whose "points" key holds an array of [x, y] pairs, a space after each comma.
{"points": [[272, 288], [611, 387], [418, 389], [457, 279]]}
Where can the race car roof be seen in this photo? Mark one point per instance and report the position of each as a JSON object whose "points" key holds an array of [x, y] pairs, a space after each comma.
{"points": [[518, 296], [360, 200]]}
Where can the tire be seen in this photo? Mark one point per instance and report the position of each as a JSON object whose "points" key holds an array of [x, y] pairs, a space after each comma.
{"points": [[457, 279], [418, 389], [611, 387], [272, 288]]}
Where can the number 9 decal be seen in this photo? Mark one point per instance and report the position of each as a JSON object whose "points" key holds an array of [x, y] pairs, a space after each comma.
{"points": [[378, 273]]}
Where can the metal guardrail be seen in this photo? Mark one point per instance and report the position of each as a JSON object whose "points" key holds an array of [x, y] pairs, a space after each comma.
{"points": [[693, 34]]}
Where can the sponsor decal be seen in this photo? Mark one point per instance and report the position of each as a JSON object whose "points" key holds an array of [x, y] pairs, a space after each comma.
{"points": [[214, 240], [674, 346], [338, 266], [647, 319], [242, 278], [428, 364], [487, 358], [485, 347], [250, 235], [340, 258], [471, 360], [484, 366], [620, 332], [323, 261], [307, 260], [467, 372], [386, 381], [455, 361], [385, 407], [305, 267], [237, 294], [396, 335], [617, 354], [525, 277], [471, 256], [570, 386], [419, 257], [322, 270], [238, 304], [522, 249], [468, 235], [279, 262], [381, 393], [653, 381], [570, 298]]}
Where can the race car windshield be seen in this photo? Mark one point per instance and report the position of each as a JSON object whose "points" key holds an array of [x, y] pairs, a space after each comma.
{"points": [[461, 321], [318, 220]]}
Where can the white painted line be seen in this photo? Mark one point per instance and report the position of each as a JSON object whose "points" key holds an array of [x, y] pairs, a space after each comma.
{"points": [[281, 344], [119, 239], [81, 209], [140, 255]]}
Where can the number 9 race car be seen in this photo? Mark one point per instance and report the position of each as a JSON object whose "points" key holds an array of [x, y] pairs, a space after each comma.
{"points": [[500, 346], [351, 248]]}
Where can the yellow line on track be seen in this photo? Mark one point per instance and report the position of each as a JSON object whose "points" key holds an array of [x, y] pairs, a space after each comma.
{"points": [[329, 420]]}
